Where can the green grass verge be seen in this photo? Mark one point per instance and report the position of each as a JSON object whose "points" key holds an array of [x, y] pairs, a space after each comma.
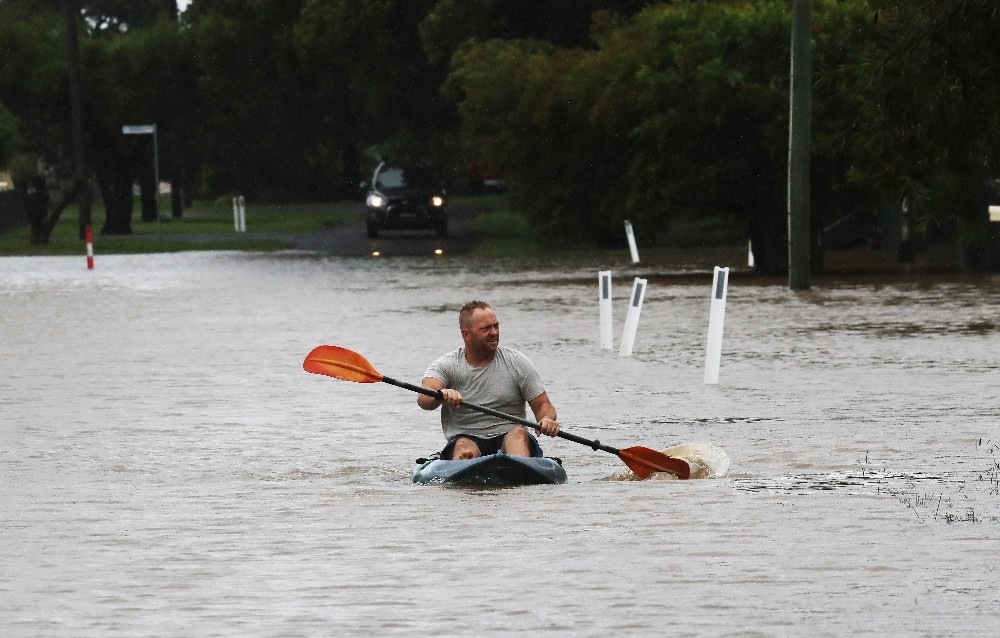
{"points": [[204, 227], [503, 233], [704, 228], [208, 226]]}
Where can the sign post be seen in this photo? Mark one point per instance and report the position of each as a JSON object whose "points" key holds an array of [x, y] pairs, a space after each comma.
{"points": [[150, 129]]}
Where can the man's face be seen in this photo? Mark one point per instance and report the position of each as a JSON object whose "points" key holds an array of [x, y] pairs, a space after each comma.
{"points": [[483, 335]]}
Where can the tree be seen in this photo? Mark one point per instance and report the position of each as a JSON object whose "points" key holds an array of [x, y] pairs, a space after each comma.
{"points": [[367, 59], [35, 85], [451, 24], [714, 118], [81, 164], [9, 136], [260, 121], [679, 110], [145, 75], [924, 126]]}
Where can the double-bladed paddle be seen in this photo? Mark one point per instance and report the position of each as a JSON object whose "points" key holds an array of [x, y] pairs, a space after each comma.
{"points": [[341, 363]]}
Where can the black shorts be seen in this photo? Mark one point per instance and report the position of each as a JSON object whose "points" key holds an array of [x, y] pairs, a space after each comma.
{"points": [[488, 446]]}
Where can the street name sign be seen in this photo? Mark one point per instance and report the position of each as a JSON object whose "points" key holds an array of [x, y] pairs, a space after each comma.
{"points": [[139, 129]]}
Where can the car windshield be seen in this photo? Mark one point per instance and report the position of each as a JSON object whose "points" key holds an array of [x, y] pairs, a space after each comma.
{"points": [[408, 177]]}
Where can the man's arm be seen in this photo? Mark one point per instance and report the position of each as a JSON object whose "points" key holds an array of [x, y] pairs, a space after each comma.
{"points": [[452, 397], [545, 414], [426, 402]]}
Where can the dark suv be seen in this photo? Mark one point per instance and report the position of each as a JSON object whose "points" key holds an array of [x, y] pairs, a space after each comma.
{"points": [[406, 197]]}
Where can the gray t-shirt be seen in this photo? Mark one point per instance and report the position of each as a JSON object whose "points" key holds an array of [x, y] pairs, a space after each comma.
{"points": [[504, 385]]}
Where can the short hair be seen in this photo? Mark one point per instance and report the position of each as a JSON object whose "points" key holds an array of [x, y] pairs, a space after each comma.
{"points": [[465, 314]]}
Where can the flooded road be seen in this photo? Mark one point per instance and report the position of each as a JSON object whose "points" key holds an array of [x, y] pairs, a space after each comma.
{"points": [[169, 469]]}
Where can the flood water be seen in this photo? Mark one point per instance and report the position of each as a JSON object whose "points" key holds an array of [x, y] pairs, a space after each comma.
{"points": [[168, 468]]}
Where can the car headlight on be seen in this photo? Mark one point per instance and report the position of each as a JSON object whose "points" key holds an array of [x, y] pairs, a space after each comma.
{"points": [[375, 201], [437, 201]]}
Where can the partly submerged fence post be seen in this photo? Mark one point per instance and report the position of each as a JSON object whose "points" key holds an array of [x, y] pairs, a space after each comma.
{"points": [[604, 301], [632, 318], [717, 317]]}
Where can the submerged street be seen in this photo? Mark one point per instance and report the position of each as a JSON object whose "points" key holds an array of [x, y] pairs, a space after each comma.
{"points": [[170, 469]]}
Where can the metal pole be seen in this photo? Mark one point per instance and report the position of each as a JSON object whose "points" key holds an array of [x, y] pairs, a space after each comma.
{"points": [[799, 137]]}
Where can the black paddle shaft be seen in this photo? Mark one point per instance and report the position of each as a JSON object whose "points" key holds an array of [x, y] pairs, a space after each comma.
{"points": [[596, 445]]}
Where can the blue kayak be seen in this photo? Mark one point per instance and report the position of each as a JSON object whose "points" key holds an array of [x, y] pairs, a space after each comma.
{"points": [[497, 469]]}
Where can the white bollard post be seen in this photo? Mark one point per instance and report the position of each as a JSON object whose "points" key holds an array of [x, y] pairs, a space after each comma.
{"points": [[236, 214], [750, 260], [243, 214], [630, 234], [604, 301], [632, 318], [717, 317]]}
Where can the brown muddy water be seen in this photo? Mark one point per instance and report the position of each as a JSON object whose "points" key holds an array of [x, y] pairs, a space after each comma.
{"points": [[168, 469]]}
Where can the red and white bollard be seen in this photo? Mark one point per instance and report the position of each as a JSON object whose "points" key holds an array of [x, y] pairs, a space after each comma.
{"points": [[90, 248]]}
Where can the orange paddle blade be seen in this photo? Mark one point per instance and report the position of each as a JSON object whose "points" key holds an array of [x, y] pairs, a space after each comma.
{"points": [[334, 361], [644, 462]]}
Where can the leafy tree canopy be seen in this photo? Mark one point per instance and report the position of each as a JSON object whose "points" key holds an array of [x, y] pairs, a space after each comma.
{"points": [[920, 104]]}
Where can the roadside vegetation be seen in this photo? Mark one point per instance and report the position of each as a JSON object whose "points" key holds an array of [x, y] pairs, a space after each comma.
{"points": [[498, 230], [501, 233], [591, 112], [207, 226], [210, 226]]}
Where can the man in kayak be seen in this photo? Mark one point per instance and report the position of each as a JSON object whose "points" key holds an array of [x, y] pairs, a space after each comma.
{"points": [[494, 376]]}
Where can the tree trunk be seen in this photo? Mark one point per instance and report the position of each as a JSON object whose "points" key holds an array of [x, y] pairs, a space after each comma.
{"points": [[80, 165], [114, 180], [906, 251], [42, 214], [149, 190], [994, 247], [36, 204], [176, 199], [976, 254], [817, 258], [177, 193], [769, 238]]}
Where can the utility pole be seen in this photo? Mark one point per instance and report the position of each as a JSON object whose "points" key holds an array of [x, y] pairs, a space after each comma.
{"points": [[799, 143]]}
